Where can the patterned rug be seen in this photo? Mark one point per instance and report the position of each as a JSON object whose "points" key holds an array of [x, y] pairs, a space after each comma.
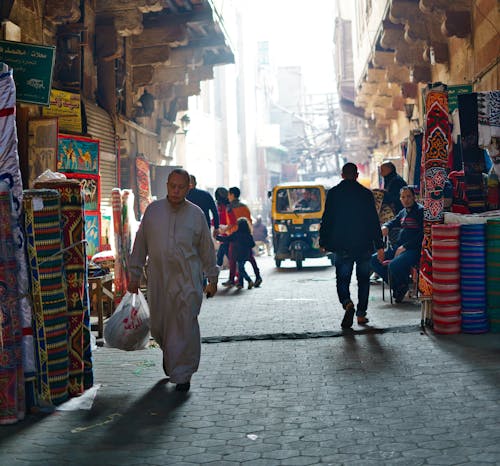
{"points": [[435, 153], [12, 396], [143, 184], [11, 174], [120, 277], [75, 260], [42, 209]]}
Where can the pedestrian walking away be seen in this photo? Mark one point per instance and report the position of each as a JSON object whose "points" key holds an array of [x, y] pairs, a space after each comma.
{"points": [[242, 243], [350, 228], [175, 239], [204, 200], [237, 209]]}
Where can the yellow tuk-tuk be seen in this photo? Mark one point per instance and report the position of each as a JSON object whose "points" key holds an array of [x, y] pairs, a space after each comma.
{"points": [[296, 213]]}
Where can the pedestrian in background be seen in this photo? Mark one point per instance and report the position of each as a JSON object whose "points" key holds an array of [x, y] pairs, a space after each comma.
{"points": [[204, 200], [241, 242], [392, 186], [350, 228], [237, 209], [222, 204], [260, 234], [175, 239]]}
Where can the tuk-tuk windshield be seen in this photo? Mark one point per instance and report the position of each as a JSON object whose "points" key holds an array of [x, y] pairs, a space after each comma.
{"points": [[298, 200]]}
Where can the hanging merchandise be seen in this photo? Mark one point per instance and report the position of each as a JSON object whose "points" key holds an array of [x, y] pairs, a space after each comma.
{"points": [[435, 153], [11, 174], [42, 217], [125, 227], [12, 406], [143, 184], [473, 156]]}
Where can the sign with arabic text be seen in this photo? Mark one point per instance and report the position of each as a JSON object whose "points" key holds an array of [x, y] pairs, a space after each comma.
{"points": [[33, 66], [67, 107]]}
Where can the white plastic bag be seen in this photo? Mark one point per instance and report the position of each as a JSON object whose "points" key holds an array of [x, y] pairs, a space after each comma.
{"points": [[128, 328]]}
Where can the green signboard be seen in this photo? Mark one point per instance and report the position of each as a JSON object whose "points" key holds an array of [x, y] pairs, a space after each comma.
{"points": [[453, 93], [33, 66]]}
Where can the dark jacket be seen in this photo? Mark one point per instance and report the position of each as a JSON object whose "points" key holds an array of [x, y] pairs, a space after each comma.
{"points": [[392, 185], [350, 222], [411, 223], [242, 244], [205, 202]]}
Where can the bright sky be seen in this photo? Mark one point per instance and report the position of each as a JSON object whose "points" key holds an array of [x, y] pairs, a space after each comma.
{"points": [[300, 32]]}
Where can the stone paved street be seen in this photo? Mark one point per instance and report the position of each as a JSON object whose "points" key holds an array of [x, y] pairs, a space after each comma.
{"points": [[280, 384]]}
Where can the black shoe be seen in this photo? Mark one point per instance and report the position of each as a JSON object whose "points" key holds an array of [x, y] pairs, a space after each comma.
{"points": [[183, 387], [257, 282], [349, 315], [400, 294]]}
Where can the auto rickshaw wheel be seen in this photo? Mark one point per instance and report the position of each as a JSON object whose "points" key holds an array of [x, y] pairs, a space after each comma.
{"points": [[299, 264], [277, 262]]}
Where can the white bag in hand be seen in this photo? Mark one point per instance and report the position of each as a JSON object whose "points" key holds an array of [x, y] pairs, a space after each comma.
{"points": [[128, 328]]}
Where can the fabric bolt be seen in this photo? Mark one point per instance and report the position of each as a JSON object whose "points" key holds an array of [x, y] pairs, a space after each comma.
{"points": [[12, 395], [11, 174], [119, 270], [488, 104], [473, 274], [446, 309], [434, 164], [42, 208], [72, 225], [143, 183]]}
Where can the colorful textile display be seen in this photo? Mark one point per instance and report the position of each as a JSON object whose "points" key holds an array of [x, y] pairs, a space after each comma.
{"points": [[473, 278], [11, 174], [414, 158], [488, 117], [435, 153], [143, 183], [12, 396], [473, 156], [42, 208], [446, 299], [493, 273], [75, 260], [124, 227]]}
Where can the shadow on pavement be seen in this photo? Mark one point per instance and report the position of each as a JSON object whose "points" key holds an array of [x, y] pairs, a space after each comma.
{"points": [[148, 416]]}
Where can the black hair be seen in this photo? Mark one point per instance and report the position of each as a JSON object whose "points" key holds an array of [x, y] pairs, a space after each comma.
{"points": [[350, 171], [407, 188], [235, 192], [243, 225]]}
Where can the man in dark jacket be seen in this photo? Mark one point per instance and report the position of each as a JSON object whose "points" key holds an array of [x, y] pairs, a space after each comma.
{"points": [[205, 201], [405, 253], [350, 227], [392, 185]]}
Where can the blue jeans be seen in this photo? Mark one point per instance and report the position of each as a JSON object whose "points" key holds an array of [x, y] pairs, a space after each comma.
{"points": [[344, 265], [242, 273], [399, 266]]}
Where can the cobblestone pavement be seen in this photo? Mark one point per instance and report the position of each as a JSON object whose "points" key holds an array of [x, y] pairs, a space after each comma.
{"points": [[290, 389]]}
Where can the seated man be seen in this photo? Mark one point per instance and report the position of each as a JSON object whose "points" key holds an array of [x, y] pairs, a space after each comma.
{"points": [[260, 236], [309, 201], [405, 253]]}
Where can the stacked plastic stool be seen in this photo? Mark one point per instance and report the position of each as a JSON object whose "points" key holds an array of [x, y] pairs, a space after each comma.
{"points": [[493, 272], [473, 278], [446, 298]]}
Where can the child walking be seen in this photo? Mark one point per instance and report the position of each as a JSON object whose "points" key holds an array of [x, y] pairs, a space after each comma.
{"points": [[243, 243]]}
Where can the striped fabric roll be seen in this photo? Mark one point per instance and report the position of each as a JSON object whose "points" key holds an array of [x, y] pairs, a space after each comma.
{"points": [[493, 272], [473, 273], [446, 301], [42, 208], [75, 259]]}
